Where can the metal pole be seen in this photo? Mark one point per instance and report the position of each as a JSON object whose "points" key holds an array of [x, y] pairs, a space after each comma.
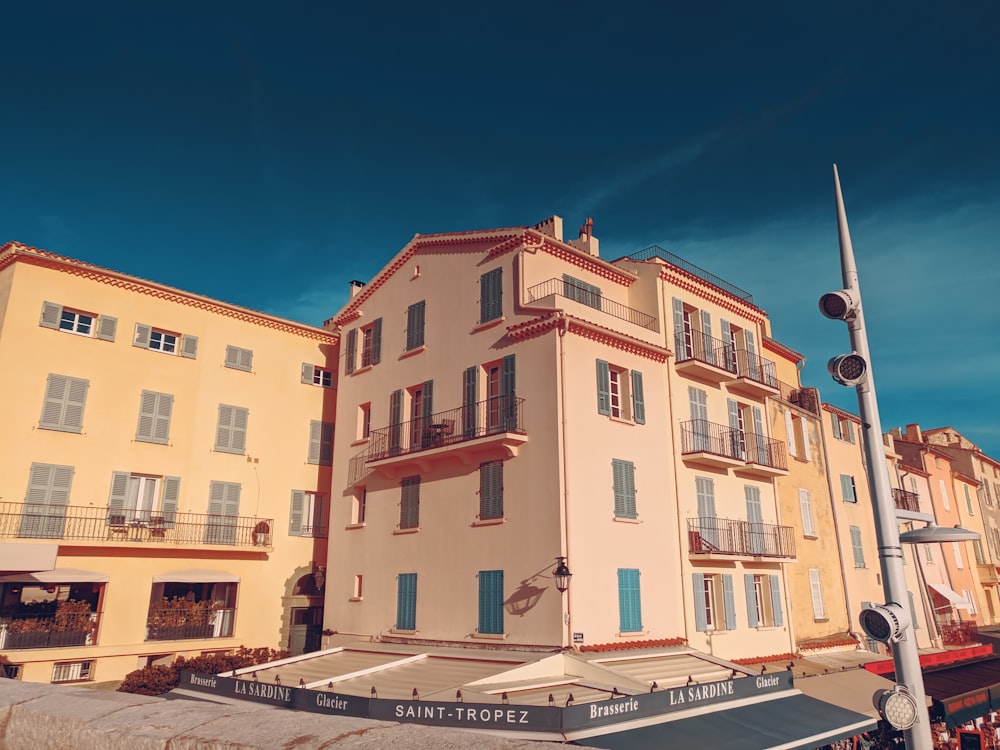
{"points": [[904, 651]]}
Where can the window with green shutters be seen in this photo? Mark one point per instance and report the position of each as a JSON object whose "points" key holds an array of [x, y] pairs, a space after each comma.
{"points": [[415, 326], [231, 431], [620, 393], [238, 358], [491, 295], [763, 597], [157, 339], [406, 601], [629, 601], [409, 505], [623, 474], [857, 547], [155, 410], [320, 443], [371, 343], [65, 398], [581, 291], [491, 490], [60, 318], [307, 516], [143, 500], [491, 602], [351, 351], [43, 515], [223, 512], [847, 488]]}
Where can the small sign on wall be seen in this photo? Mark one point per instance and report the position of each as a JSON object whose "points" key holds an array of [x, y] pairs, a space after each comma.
{"points": [[577, 637]]}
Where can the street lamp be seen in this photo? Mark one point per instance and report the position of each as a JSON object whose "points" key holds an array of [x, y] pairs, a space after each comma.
{"points": [[561, 575], [889, 622]]}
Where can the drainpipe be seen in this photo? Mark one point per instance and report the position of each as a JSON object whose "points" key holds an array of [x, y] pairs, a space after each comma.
{"points": [[564, 505]]}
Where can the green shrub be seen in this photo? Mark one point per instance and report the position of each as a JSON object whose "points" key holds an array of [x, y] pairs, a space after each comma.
{"points": [[159, 679]]}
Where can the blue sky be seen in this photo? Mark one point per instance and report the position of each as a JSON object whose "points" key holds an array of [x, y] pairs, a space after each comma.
{"points": [[266, 154]]}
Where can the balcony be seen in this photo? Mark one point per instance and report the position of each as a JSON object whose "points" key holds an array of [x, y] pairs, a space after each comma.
{"points": [[61, 631], [474, 432], [702, 357], [195, 620], [718, 446], [906, 500], [961, 633], [755, 376], [128, 527], [590, 297], [722, 536], [806, 399]]}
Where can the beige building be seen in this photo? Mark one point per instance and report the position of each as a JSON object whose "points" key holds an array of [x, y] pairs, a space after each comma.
{"points": [[511, 401], [156, 497]]}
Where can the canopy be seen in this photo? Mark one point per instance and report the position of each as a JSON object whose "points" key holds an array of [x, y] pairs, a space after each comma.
{"points": [[951, 595], [966, 691], [59, 575], [20, 556], [792, 723], [196, 576]]}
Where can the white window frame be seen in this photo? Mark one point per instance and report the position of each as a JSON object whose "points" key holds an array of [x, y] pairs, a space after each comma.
{"points": [[72, 671], [323, 377], [72, 321], [163, 341], [816, 593]]}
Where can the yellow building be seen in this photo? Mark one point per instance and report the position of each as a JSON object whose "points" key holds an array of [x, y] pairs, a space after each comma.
{"points": [[165, 458]]}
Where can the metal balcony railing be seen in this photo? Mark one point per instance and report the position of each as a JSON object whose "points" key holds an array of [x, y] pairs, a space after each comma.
{"points": [[804, 398], [173, 624], [724, 536], [702, 436], [591, 297], [905, 500], [26, 631], [655, 251], [493, 416], [959, 633], [740, 362], [85, 523]]}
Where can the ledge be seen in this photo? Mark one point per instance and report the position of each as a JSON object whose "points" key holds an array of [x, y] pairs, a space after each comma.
{"points": [[488, 324], [412, 352], [489, 521], [398, 532]]}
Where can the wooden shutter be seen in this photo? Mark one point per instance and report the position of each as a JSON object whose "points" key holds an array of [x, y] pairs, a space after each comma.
{"points": [[623, 473], [805, 506], [629, 601], [308, 373], [315, 441], [51, 315], [189, 346], [638, 399], [171, 496], [857, 548], [727, 345], [376, 341], [409, 510], [65, 399], [750, 592], [793, 449], [470, 397], [351, 358], [508, 396], [415, 325], [603, 387], [231, 433], [491, 295], [847, 488], [491, 490], [239, 358], [295, 512], [835, 424], [778, 619], [678, 309], [491, 601], [44, 513], [816, 590], [395, 415], [107, 326], [406, 601], [154, 417], [117, 498], [730, 601], [850, 430], [700, 614], [706, 344]]}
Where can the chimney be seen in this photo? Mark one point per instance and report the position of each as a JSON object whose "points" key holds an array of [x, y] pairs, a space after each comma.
{"points": [[913, 433], [356, 287], [552, 226], [587, 241]]}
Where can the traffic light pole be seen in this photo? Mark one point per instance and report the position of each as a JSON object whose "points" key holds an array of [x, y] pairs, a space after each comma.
{"points": [[904, 650]]}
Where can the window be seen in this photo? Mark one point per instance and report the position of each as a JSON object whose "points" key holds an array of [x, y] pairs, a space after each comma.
{"points": [[623, 474], [320, 443], [231, 431], [61, 318], [223, 509], [708, 530], [701, 437], [147, 337], [364, 421], [359, 506], [857, 548], [763, 594], [693, 336], [755, 520], [491, 295], [421, 410], [415, 326], [409, 506], [956, 549], [581, 291], [351, 351], [816, 590], [209, 610], [406, 601], [967, 595], [359, 588], [977, 547], [154, 417], [805, 506], [239, 359], [968, 500], [313, 375], [714, 602], [629, 601], [491, 490], [798, 436], [619, 393], [944, 494], [928, 554], [65, 398], [43, 515], [843, 427], [143, 500], [847, 488], [308, 515], [72, 671], [502, 413], [371, 343], [11, 671], [491, 602]]}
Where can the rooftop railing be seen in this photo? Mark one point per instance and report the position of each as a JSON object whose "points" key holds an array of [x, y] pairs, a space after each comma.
{"points": [[655, 251], [805, 398], [591, 297]]}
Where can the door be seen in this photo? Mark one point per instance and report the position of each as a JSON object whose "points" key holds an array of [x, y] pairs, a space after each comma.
{"points": [[306, 631]]}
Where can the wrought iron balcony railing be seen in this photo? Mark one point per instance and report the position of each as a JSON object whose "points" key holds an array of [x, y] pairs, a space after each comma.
{"points": [[26, 631], [655, 251], [905, 500], [702, 436], [722, 354], [724, 536], [960, 633], [591, 297], [804, 398], [86, 523], [493, 416], [173, 624]]}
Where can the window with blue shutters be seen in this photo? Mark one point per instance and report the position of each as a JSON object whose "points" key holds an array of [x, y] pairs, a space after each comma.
{"points": [[406, 601], [620, 393], [491, 602], [491, 490], [491, 295], [415, 326], [409, 506], [623, 475], [629, 601]]}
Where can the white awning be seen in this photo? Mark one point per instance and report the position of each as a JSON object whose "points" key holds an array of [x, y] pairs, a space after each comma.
{"points": [[959, 601], [196, 576], [20, 556], [59, 575]]}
